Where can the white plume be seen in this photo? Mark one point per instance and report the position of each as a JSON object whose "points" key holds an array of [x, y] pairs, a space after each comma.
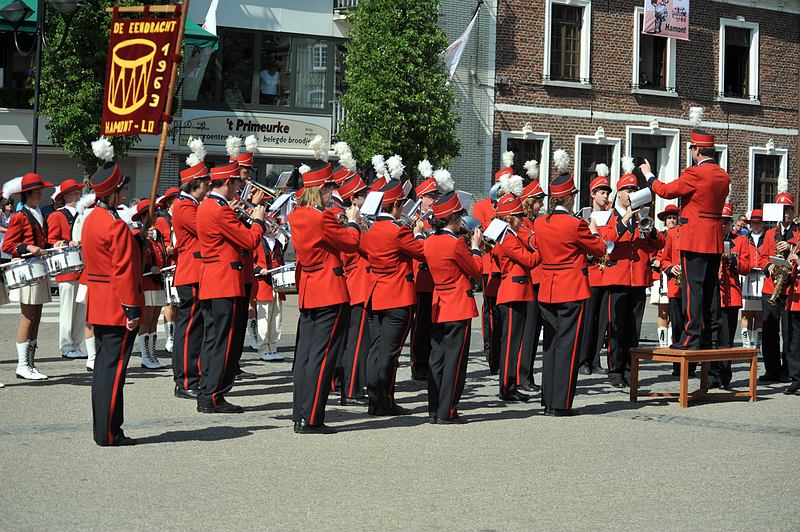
{"points": [[379, 164], [627, 165], [55, 193], [515, 185], [251, 143], [341, 148], [192, 160], [348, 161], [601, 169], [103, 149], [503, 185], [444, 181], [232, 144], [532, 168], [783, 183], [198, 152], [695, 116], [425, 168], [319, 147], [86, 202], [508, 159], [395, 165], [561, 160], [303, 169], [13, 186]]}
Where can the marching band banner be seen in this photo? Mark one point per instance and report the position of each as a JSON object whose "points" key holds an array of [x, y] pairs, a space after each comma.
{"points": [[666, 18], [140, 55]]}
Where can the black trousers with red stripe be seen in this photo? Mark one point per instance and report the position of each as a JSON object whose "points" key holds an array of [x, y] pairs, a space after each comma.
{"points": [[492, 329], [530, 343], [353, 369], [728, 322], [321, 334], [222, 346], [700, 296], [421, 335], [114, 346], [448, 367], [625, 310], [387, 331], [188, 339], [563, 325], [595, 323], [512, 315]]}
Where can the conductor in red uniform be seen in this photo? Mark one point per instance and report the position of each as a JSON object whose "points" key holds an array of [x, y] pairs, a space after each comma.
{"points": [[702, 190], [222, 238], [453, 267], [114, 300]]}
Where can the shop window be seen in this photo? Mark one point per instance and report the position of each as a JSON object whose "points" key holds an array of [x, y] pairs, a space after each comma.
{"points": [[738, 60], [311, 81], [237, 67], [16, 73], [274, 76]]}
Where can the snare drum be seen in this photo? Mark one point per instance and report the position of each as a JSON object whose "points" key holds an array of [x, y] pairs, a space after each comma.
{"points": [[168, 278], [283, 278], [752, 284], [63, 260], [25, 272]]}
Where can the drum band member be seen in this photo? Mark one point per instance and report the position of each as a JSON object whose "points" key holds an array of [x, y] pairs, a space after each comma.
{"points": [[163, 224], [751, 312]]}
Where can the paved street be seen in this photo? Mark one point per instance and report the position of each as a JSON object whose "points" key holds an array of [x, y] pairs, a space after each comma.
{"points": [[648, 465]]}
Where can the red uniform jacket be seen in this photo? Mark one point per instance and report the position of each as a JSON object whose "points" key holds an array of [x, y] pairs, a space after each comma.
{"points": [[222, 238], [516, 262], [527, 234], [390, 247], [59, 227], [670, 256], [452, 266], [23, 231], [319, 238], [563, 241], [767, 250], [484, 210], [702, 190], [113, 269], [154, 253], [730, 287], [629, 262], [163, 225], [187, 247], [356, 272], [266, 259]]}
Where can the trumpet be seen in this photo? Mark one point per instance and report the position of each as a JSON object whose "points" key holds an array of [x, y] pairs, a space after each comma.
{"points": [[603, 261], [468, 225], [250, 187], [364, 223], [645, 226]]}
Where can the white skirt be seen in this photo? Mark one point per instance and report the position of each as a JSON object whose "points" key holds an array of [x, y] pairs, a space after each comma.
{"points": [[656, 298], [155, 298], [34, 294]]}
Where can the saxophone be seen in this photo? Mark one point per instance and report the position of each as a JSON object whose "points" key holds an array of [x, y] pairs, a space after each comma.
{"points": [[779, 273]]}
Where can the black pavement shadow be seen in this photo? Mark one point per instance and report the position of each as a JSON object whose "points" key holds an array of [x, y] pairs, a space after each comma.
{"points": [[237, 391], [267, 406], [215, 433]]}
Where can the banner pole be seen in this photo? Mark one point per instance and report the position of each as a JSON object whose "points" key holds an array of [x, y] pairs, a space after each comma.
{"points": [[168, 108]]}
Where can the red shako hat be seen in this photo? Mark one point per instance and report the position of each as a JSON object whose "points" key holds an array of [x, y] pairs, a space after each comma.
{"points": [[563, 185], [351, 187], [509, 205], [446, 205]]}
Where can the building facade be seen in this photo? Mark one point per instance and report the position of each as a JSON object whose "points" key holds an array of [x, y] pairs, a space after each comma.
{"points": [[580, 75]]}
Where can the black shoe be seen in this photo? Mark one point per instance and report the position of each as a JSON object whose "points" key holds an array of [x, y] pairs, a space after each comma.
{"points": [[691, 347], [548, 411], [433, 420], [514, 397], [396, 410], [183, 393], [457, 420], [420, 376], [618, 381], [585, 370], [353, 401], [296, 427], [769, 378], [792, 389], [224, 407], [245, 375], [305, 428], [714, 382], [119, 441], [564, 412], [530, 387]]}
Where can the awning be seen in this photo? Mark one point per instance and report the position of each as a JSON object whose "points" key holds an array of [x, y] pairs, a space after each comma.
{"points": [[194, 35]]}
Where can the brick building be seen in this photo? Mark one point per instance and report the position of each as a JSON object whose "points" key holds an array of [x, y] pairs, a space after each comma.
{"points": [[580, 75]]}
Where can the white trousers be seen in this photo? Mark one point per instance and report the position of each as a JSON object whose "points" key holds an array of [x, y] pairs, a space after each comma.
{"points": [[72, 317], [268, 315]]}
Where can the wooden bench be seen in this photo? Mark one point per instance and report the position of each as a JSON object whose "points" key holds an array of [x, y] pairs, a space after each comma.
{"points": [[703, 357]]}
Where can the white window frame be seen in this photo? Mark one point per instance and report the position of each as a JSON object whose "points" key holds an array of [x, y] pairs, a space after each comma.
{"points": [[544, 157], [616, 149], [316, 52], [722, 149], [670, 89], [752, 83], [783, 153], [671, 162], [586, 44]]}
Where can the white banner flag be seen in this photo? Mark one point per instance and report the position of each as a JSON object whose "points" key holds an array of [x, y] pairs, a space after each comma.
{"points": [[197, 59], [452, 55]]}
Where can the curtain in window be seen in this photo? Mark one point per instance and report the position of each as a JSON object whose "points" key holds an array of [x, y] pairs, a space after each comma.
{"points": [[310, 77]]}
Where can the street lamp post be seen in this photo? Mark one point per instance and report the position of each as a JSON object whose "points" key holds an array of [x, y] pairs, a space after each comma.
{"points": [[15, 13]]}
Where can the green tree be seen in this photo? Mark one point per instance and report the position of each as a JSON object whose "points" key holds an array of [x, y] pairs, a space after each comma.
{"points": [[397, 99], [71, 93]]}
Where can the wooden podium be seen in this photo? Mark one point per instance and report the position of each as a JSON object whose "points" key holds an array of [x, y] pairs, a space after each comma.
{"points": [[703, 357]]}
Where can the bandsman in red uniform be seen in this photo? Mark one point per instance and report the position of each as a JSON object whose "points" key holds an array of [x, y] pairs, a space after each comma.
{"points": [[223, 238], [27, 235], [390, 248], [319, 238], [668, 259], [72, 314], [163, 225], [702, 190], [751, 312], [627, 275], [735, 261], [563, 241], [189, 325], [113, 268], [268, 256], [793, 312], [513, 295], [454, 267], [775, 318]]}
